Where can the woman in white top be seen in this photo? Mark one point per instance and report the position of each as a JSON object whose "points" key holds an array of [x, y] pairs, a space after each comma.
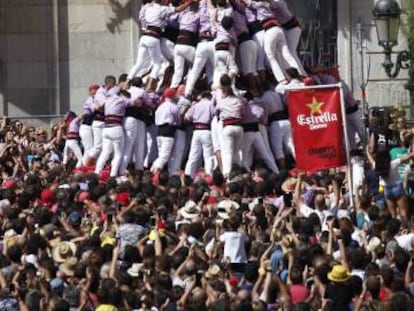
{"points": [[393, 186]]}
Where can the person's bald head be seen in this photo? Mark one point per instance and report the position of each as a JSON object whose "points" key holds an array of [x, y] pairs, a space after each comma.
{"points": [[190, 267], [243, 294]]}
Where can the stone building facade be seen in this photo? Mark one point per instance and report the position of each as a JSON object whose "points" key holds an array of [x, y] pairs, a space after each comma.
{"points": [[51, 50]]}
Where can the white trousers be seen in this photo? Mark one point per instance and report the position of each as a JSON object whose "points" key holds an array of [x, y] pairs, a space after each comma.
{"points": [[224, 63], [253, 141], [216, 133], [151, 152], [86, 136], [261, 56], [149, 51], [97, 129], [248, 57], [177, 154], [231, 144], [265, 135], [204, 56], [112, 142], [275, 44], [280, 133], [201, 147], [131, 134], [165, 147], [182, 53], [167, 49], [72, 145], [292, 39], [355, 125], [134, 144]]}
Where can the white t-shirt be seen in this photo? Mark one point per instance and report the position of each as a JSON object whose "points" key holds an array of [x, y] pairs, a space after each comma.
{"points": [[405, 241], [306, 211], [234, 246]]}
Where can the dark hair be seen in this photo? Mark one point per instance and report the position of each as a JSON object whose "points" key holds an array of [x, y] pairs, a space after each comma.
{"points": [[356, 285], [123, 77], [401, 259], [227, 22], [357, 259], [234, 222], [205, 94], [125, 93], [374, 286], [393, 226], [382, 163], [293, 73], [296, 276], [137, 82], [110, 80]]}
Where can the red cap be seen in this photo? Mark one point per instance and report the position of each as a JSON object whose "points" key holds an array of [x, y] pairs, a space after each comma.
{"points": [[123, 198], [83, 196], [170, 93], [308, 81], [104, 176], [93, 87], [9, 184], [46, 197], [212, 200], [233, 281]]}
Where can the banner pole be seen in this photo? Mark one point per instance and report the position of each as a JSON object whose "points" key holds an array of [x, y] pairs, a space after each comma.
{"points": [[348, 155]]}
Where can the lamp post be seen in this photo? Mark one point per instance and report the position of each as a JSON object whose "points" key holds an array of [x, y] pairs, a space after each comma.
{"points": [[387, 22]]}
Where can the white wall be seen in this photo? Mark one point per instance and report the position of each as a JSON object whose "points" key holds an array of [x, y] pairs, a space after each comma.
{"points": [[381, 90]]}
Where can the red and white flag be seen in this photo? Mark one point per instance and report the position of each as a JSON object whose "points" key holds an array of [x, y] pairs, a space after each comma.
{"points": [[317, 128]]}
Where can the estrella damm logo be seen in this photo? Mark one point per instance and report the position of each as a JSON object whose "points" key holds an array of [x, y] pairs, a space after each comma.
{"points": [[317, 118]]}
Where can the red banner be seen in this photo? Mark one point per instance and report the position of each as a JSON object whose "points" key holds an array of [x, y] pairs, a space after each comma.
{"points": [[315, 115]]}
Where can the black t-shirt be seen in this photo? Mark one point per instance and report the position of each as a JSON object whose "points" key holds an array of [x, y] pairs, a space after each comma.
{"points": [[340, 295]]}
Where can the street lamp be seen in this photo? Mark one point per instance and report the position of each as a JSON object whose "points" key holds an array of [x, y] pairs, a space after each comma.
{"points": [[387, 21]]}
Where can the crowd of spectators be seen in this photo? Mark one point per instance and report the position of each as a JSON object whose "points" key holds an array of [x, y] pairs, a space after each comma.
{"points": [[74, 240]]}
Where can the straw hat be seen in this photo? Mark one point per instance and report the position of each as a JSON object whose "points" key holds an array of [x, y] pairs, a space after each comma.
{"points": [[190, 210], [212, 272], [69, 266], [63, 251], [226, 207], [289, 184], [338, 274]]}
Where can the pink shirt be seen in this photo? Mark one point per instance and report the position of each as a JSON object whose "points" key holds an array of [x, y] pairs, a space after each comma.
{"points": [[298, 293], [230, 107]]}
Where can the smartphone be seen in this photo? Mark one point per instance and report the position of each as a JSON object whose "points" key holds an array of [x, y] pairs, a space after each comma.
{"points": [[152, 221], [110, 217], [287, 199], [260, 200]]}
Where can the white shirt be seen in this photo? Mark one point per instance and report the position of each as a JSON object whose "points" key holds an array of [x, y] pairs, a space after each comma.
{"points": [[405, 241], [234, 246], [358, 272], [306, 211]]}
